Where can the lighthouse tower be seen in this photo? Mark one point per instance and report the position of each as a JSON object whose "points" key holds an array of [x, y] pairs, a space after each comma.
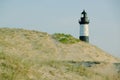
{"points": [[84, 31]]}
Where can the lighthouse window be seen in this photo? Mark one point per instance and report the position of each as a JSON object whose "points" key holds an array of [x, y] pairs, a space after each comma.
{"points": [[82, 15]]}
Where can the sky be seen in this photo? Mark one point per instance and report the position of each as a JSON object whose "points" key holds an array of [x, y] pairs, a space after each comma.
{"points": [[61, 16]]}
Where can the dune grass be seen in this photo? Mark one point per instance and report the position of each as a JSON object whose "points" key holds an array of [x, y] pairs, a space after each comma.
{"points": [[65, 38], [13, 67], [33, 55]]}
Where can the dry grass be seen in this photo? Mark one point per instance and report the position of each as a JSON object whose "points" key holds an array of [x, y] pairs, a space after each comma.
{"points": [[33, 55]]}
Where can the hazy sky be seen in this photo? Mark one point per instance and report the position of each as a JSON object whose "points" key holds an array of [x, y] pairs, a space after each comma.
{"points": [[62, 16]]}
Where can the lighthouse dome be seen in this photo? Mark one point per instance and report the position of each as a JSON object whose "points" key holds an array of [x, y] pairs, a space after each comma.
{"points": [[84, 18]]}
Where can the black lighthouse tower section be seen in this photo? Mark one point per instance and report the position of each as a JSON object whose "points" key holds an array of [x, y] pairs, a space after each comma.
{"points": [[84, 21]]}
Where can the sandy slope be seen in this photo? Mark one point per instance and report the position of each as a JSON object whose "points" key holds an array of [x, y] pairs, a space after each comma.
{"points": [[33, 55]]}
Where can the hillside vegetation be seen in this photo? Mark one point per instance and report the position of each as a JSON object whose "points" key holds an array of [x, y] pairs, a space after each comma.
{"points": [[34, 55]]}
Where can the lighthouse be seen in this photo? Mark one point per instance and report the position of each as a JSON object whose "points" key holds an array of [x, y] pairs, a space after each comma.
{"points": [[84, 29]]}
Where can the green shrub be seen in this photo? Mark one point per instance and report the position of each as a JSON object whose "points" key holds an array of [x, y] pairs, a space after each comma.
{"points": [[65, 38]]}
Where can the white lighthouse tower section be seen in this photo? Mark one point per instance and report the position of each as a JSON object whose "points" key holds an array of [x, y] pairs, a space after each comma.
{"points": [[84, 31]]}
